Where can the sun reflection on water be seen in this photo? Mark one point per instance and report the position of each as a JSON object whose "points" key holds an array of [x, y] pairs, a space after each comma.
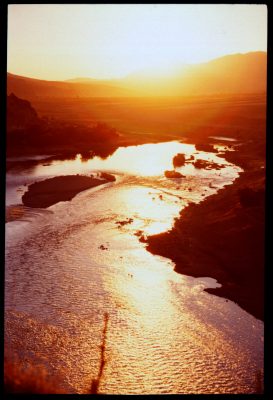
{"points": [[150, 211], [84, 258], [144, 160]]}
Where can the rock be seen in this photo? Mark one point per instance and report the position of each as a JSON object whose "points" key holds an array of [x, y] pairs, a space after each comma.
{"points": [[125, 222], [179, 160], [141, 236], [205, 147], [207, 165], [108, 177], [102, 247], [173, 174]]}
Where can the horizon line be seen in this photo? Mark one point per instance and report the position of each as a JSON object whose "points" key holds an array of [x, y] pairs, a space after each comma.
{"points": [[132, 72]]}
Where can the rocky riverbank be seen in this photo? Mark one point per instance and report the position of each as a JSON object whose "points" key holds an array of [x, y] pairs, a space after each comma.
{"points": [[223, 237]]}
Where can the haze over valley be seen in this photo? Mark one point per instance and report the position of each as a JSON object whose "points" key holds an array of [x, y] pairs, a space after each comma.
{"points": [[231, 74]]}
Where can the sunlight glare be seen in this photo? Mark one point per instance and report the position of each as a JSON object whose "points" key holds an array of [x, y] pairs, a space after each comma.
{"points": [[104, 41], [143, 160]]}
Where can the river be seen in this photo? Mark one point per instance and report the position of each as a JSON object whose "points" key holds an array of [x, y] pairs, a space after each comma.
{"points": [[69, 265]]}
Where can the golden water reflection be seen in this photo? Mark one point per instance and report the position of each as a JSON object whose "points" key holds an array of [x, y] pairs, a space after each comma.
{"points": [[144, 160], [151, 210], [165, 335], [178, 338]]}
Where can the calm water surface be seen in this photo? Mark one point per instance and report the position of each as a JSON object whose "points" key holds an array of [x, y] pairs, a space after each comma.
{"points": [[165, 334]]}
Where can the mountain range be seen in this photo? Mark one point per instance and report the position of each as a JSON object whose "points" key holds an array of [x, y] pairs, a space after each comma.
{"points": [[231, 74]]}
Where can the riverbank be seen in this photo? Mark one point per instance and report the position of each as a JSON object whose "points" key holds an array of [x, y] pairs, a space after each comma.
{"points": [[223, 237], [61, 188]]}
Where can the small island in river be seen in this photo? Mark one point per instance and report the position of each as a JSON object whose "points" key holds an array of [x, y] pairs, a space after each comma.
{"points": [[60, 188]]}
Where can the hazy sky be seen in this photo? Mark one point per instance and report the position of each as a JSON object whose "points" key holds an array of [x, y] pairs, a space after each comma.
{"points": [[104, 41]]}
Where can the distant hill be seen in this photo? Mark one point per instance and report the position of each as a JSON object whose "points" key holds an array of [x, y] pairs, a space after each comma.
{"points": [[81, 80], [236, 74], [29, 88], [93, 80]]}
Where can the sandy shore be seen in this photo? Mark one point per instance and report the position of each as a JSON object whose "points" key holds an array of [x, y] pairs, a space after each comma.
{"points": [[223, 237], [61, 188]]}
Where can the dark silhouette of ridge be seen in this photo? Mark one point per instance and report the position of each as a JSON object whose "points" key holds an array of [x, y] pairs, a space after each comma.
{"points": [[27, 133]]}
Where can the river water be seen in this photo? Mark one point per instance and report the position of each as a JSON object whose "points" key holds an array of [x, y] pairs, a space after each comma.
{"points": [[69, 265]]}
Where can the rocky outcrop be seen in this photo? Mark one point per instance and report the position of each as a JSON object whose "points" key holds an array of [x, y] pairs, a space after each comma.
{"points": [[179, 160], [29, 134], [108, 177], [20, 113], [173, 174], [205, 147], [204, 164]]}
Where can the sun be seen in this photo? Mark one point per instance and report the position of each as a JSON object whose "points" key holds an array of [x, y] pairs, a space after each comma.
{"points": [[57, 42]]}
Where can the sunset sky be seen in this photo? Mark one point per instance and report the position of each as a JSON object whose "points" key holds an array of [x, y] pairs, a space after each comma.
{"points": [[58, 42]]}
